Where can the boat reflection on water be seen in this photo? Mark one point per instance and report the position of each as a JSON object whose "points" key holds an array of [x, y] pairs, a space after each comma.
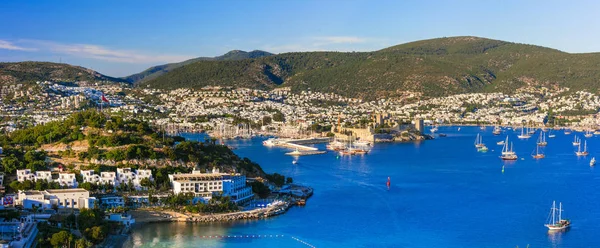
{"points": [[555, 237]]}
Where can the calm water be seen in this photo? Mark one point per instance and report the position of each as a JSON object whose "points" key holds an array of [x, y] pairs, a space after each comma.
{"points": [[444, 194]]}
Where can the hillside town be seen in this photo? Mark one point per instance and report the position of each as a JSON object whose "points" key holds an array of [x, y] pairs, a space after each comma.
{"points": [[282, 112]]}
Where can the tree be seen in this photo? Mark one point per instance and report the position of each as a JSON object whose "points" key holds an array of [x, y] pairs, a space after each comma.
{"points": [[96, 233], [61, 239], [289, 180], [147, 183], [11, 164], [260, 189], [82, 243], [278, 117]]}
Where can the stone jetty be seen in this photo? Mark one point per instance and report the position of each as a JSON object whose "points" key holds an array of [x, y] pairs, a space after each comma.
{"points": [[275, 209]]}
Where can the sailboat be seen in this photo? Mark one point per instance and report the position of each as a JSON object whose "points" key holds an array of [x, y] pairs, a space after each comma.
{"points": [[576, 141], [524, 135], [479, 141], [336, 145], [554, 223], [508, 154], [537, 154], [588, 134], [593, 162], [579, 152], [531, 130], [542, 139], [497, 130]]}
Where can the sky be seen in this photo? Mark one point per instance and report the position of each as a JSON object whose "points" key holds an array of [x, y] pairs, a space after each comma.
{"points": [[119, 38]]}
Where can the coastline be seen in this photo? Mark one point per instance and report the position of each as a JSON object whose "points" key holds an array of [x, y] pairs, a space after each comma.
{"points": [[144, 216], [158, 215]]}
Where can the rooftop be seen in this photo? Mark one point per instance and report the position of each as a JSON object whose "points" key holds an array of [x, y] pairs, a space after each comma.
{"points": [[58, 191]]}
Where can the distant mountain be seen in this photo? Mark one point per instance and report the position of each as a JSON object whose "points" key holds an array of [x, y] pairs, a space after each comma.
{"points": [[433, 67], [29, 71], [155, 71]]}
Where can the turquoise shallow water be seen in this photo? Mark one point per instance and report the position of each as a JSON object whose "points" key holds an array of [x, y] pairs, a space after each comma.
{"points": [[443, 194]]}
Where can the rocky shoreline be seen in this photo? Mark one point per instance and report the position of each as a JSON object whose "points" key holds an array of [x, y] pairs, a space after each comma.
{"points": [[154, 216]]}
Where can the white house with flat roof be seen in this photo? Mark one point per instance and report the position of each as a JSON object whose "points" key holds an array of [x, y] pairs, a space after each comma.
{"points": [[67, 180], [26, 174], [89, 176], [108, 177], [126, 175], [43, 175], [60, 198]]}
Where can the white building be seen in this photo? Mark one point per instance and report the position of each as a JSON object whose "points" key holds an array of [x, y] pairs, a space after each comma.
{"points": [[90, 177], [108, 177], [60, 198], [140, 175], [26, 174], [126, 175], [104, 177], [43, 175], [203, 185], [67, 180]]}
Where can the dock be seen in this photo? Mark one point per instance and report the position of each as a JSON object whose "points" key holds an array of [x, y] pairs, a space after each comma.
{"points": [[305, 152]]}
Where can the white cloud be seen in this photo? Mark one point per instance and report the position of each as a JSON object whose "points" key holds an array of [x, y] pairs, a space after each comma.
{"points": [[7, 45], [97, 52], [340, 40]]}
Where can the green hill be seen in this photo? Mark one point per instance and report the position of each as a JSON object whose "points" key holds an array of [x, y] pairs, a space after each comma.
{"points": [[29, 71], [434, 67], [155, 71]]}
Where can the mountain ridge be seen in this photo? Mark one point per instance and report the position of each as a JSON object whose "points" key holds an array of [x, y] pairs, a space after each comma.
{"points": [[156, 71], [32, 71], [434, 67]]}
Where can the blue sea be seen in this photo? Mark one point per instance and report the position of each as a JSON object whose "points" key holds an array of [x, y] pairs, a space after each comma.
{"points": [[443, 194]]}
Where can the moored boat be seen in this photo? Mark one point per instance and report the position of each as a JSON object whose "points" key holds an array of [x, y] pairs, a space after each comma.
{"points": [[479, 141], [508, 154], [579, 152], [524, 135], [542, 139], [554, 223], [538, 154], [497, 130], [593, 162]]}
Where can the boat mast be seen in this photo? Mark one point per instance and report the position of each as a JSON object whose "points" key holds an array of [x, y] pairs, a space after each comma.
{"points": [[553, 212], [560, 212]]}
